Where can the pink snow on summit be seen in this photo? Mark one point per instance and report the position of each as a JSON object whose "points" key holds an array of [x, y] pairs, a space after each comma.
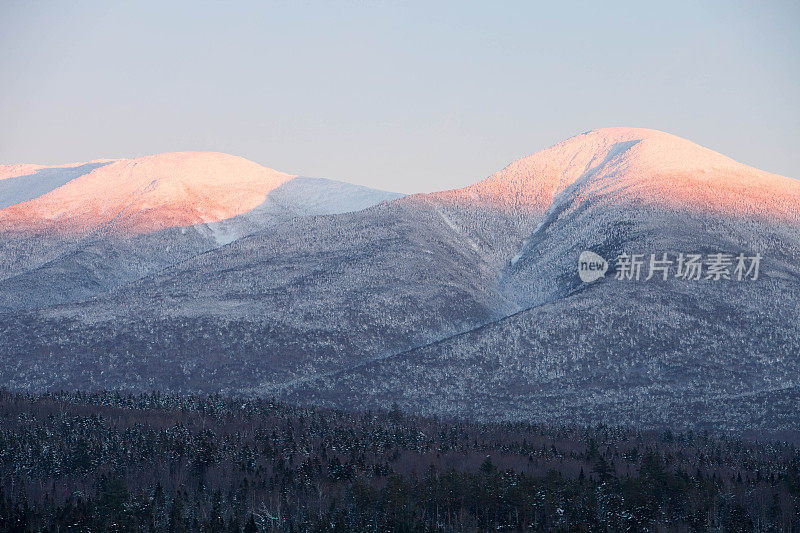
{"points": [[642, 164], [146, 194]]}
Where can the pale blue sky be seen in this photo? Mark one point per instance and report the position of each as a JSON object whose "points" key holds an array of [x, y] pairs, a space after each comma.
{"points": [[403, 96]]}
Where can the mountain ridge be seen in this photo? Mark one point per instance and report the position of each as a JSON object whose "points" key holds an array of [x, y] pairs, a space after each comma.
{"points": [[150, 193], [188, 183], [458, 302], [534, 181]]}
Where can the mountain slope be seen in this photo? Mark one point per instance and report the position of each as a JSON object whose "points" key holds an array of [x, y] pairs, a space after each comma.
{"points": [[645, 352], [465, 302], [660, 354], [146, 194], [78, 230], [297, 197], [643, 164], [309, 296]]}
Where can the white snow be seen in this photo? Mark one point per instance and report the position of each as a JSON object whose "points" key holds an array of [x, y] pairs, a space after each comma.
{"points": [[657, 167], [300, 196], [24, 187], [139, 195]]}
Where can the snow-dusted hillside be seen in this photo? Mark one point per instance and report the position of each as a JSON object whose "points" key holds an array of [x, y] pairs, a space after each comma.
{"points": [[721, 353], [308, 296], [639, 164], [464, 302], [141, 195], [298, 197], [73, 231], [22, 183], [716, 354]]}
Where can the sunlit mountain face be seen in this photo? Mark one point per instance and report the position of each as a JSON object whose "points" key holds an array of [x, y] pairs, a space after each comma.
{"points": [[648, 166], [69, 232], [207, 272], [141, 195]]}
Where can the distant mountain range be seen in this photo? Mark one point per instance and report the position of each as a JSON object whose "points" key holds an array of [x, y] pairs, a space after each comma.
{"points": [[206, 272]]}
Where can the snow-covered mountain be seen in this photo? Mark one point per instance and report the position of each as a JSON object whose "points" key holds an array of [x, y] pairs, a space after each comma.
{"points": [[462, 302], [69, 232], [147, 194], [140, 195], [720, 353]]}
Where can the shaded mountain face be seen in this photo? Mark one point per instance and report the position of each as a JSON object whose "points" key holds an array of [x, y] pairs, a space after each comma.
{"points": [[465, 302], [715, 354], [307, 297]]}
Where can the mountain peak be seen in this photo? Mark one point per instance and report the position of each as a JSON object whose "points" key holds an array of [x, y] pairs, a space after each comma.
{"points": [[643, 164], [138, 195], [656, 149]]}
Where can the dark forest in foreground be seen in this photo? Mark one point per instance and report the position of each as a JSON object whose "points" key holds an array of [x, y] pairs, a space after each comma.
{"points": [[111, 462]]}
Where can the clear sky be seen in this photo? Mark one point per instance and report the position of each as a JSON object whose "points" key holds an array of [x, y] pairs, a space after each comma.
{"points": [[402, 96]]}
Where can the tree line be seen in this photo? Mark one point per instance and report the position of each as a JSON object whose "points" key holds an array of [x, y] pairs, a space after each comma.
{"points": [[153, 462]]}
